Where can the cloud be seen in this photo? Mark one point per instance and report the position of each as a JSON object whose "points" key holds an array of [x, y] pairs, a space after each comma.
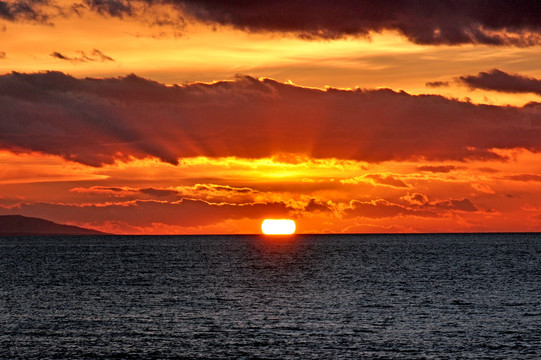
{"points": [[186, 212], [503, 22], [383, 209], [415, 198], [483, 188], [388, 180], [435, 84], [461, 205], [58, 55], [420, 201], [25, 10], [222, 188], [377, 179], [523, 177], [207, 192], [2, 54], [100, 121], [95, 55], [437, 169], [491, 22], [315, 205], [115, 8], [497, 80], [104, 190], [154, 193], [158, 193], [417, 205], [488, 170], [15, 10], [101, 56]]}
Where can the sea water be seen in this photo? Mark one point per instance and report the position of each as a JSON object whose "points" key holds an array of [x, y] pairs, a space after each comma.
{"points": [[471, 296]]}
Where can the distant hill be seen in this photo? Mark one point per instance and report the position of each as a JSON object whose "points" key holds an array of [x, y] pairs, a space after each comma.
{"points": [[22, 225]]}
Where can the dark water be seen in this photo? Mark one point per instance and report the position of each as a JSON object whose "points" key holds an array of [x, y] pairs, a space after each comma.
{"points": [[248, 297]]}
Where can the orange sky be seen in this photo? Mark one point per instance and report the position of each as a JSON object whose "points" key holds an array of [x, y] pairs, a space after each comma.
{"points": [[175, 117]]}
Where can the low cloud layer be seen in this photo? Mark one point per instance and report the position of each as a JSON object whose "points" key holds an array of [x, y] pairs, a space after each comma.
{"points": [[185, 212], [497, 80], [206, 192], [99, 121], [196, 213], [495, 22], [418, 206]]}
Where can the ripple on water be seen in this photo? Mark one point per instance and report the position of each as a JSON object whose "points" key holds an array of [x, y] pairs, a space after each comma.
{"points": [[311, 297]]}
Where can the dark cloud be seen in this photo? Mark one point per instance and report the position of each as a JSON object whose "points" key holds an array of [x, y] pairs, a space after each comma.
{"points": [[218, 193], [58, 55], [418, 206], [115, 8], [497, 80], [158, 193], [435, 84], [95, 55], [416, 198], [494, 22], [107, 189], [207, 192], [524, 177], [454, 22], [2, 54], [25, 10], [461, 205], [99, 121], [437, 169], [315, 205], [383, 209], [101, 56]]}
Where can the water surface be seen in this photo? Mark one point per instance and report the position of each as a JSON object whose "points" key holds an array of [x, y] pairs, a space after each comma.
{"points": [[305, 297]]}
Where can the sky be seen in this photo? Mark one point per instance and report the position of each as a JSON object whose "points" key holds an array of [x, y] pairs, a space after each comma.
{"points": [[206, 117]]}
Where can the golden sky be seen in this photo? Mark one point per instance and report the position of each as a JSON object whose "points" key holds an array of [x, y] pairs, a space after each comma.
{"points": [[181, 117]]}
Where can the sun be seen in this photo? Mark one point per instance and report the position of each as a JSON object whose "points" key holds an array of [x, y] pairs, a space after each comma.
{"points": [[278, 227]]}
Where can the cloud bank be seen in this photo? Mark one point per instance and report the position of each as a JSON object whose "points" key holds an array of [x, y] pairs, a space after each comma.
{"points": [[422, 22], [452, 22], [99, 121], [185, 212]]}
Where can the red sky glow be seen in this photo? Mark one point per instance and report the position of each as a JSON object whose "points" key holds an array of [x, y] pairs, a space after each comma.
{"points": [[197, 117]]}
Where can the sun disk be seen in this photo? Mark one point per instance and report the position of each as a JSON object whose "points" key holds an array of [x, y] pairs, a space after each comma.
{"points": [[278, 227]]}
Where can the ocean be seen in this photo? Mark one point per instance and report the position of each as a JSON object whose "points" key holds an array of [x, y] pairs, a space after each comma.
{"points": [[438, 296]]}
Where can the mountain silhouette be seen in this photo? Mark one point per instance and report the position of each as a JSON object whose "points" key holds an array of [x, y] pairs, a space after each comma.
{"points": [[22, 225]]}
